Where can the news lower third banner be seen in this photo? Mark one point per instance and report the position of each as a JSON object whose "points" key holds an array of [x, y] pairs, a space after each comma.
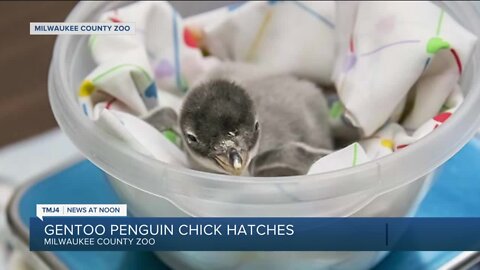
{"points": [[79, 227]]}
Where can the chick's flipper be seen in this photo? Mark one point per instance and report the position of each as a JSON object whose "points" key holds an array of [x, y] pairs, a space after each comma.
{"points": [[293, 158]]}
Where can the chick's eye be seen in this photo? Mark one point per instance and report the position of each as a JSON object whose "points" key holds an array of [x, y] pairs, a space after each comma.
{"points": [[256, 126], [191, 138]]}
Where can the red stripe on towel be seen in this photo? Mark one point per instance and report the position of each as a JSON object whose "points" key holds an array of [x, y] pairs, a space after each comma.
{"points": [[109, 104], [442, 117], [457, 59], [352, 47], [114, 19], [402, 146]]}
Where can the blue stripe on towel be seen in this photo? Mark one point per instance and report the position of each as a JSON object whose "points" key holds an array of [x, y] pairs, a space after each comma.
{"points": [[176, 49], [151, 91], [150, 96], [426, 64], [234, 6], [314, 13], [85, 110]]}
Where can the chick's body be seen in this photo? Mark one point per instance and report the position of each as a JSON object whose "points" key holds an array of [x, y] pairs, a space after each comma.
{"points": [[292, 116], [290, 110]]}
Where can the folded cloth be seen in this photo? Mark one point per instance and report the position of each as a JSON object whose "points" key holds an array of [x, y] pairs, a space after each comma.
{"points": [[396, 67], [141, 136], [390, 138], [293, 36], [349, 156], [388, 50], [137, 74], [132, 68]]}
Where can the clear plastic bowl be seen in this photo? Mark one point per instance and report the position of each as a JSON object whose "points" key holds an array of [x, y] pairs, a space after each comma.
{"points": [[390, 186]]}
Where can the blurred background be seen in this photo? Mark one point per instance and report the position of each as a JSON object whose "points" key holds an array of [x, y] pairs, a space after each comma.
{"points": [[24, 62], [26, 119]]}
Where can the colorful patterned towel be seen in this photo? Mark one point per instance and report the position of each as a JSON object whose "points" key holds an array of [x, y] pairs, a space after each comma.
{"points": [[397, 61], [395, 65]]}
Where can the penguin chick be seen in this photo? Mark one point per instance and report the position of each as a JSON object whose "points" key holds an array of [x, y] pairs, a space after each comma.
{"points": [[220, 127], [231, 120]]}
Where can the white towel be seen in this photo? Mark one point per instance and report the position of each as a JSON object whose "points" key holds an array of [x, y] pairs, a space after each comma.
{"points": [[293, 36], [393, 51]]}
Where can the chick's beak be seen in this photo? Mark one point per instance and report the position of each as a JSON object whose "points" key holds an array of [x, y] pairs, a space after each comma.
{"points": [[233, 161]]}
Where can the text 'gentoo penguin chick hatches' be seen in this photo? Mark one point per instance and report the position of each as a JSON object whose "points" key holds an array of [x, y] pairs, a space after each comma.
{"points": [[241, 116]]}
